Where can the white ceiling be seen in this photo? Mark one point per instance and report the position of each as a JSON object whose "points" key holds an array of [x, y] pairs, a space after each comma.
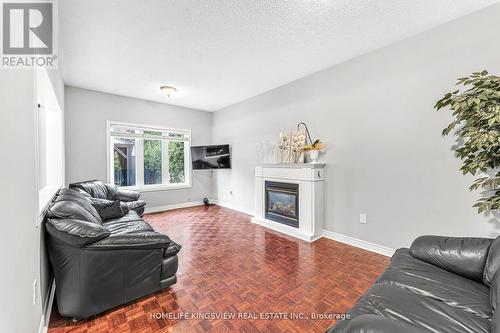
{"points": [[219, 52]]}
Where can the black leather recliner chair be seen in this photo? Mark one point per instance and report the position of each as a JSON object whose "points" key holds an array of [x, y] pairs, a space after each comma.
{"points": [[103, 263], [99, 190], [440, 284]]}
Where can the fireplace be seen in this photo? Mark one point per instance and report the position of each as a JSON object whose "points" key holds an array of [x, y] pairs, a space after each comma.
{"points": [[278, 190], [282, 203]]}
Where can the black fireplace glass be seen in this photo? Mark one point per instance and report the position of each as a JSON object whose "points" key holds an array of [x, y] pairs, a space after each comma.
{"points": [[282, 203]]}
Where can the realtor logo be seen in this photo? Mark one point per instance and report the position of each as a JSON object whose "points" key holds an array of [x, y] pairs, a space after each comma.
{"points": [[28, 34]]}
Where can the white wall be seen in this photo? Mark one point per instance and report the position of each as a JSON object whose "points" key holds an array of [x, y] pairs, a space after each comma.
{"points": [[86, 115], [49, 94], [19, 246], [24, 170], [385, 155]]}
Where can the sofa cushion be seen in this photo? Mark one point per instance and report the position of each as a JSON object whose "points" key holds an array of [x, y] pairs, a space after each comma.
{"points": [[67, 194], [127, 195], [67, 208], [108, 209], [424, 312], [73, 192], [419, 277], [96, 188], [124, 208], [492, 262], [74, 232], [128, 227], [465, 256], [79, 190], [130, 223], [133, 205], [82, 198], [111, 191], [130, 216]]}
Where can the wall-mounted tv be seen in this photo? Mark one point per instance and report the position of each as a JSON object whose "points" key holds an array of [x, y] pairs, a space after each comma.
{"points": [[211, 157]]}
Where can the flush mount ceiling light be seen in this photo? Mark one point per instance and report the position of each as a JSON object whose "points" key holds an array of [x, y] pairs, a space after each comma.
{"points": [[168, 90]]}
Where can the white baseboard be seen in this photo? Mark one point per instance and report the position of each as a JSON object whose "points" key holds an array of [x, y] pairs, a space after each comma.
{"points": [[380, 249], [284, 229], [41, 327], [47, 308], [232, 206], [173, 206]]}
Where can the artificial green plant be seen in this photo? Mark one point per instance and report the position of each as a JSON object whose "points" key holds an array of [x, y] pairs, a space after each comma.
{"points": [[475, 108]]}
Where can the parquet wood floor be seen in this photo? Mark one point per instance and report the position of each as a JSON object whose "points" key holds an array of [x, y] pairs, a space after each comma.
{"points": [[231, 266]]}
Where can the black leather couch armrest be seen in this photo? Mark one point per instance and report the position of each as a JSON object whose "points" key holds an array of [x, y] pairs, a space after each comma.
{"points": [[373, 324], [127, 195], [146, 240], [172, 249], [75, 232], [465, 256]]}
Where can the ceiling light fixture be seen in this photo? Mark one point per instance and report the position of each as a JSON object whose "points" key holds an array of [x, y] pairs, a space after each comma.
{"points": [[168, 90]]}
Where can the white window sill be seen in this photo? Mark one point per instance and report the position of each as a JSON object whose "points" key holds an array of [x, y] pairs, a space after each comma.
{"points": [[153, 188], [45, 196]]}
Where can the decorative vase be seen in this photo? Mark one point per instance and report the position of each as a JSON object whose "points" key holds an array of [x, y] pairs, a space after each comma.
{"points": [[313, 155]]}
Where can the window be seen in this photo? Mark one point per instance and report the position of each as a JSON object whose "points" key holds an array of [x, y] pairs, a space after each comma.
{"points": [[148, 158]]}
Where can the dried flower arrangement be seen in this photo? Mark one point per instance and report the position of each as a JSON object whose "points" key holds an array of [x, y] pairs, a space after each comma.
{"points": [[292, 146], [317, 145]]}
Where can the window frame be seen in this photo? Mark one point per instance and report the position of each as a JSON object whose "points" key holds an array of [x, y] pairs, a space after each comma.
{"points": [[140, 186]]}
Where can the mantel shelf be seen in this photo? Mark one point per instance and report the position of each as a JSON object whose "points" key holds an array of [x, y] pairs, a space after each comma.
{"points": [[294, 165]]}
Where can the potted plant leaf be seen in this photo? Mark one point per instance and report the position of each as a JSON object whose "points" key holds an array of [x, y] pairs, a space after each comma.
{"points": [[476, 111]]}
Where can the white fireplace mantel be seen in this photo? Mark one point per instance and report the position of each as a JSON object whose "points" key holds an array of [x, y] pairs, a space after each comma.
{"points": [[310, 178], [293, 166]]}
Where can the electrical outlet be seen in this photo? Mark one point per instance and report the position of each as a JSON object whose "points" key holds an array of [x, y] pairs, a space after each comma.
{"points": [[35, 285], [362, 218]]}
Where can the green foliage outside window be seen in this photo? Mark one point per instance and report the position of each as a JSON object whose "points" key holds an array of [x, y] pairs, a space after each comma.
{"points": [[176, 161], [152, 162], [116, 160]]}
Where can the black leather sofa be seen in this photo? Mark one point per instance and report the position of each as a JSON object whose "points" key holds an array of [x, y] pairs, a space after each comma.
{"points": [[103, 254], [440, 284]]}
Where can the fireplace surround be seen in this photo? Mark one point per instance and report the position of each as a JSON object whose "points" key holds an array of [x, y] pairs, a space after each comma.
{"points": [[289, 199]]}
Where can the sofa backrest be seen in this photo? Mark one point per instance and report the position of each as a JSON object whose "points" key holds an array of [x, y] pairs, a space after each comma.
{"points": [[75, 233], [492, 262], [96, 189], [465, 256], [70, 204], [475, 258]]}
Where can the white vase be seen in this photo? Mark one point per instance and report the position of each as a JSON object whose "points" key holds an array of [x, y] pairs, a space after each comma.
{"points": [[313, 155]]}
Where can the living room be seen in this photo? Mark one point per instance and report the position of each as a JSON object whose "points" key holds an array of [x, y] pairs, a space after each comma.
{"points": [[251, 166]]}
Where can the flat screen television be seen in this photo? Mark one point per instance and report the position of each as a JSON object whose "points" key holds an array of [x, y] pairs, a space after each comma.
{"points": [[211, 157]]}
